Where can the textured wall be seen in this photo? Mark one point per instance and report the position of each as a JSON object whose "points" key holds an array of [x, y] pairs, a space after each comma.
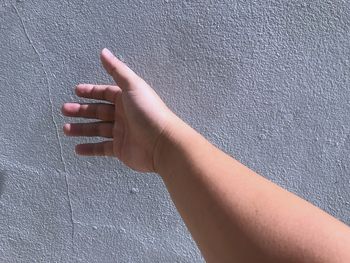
{"points": [[267, 81]]}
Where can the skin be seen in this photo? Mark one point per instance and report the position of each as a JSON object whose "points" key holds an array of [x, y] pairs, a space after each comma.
{"points": [[233, 214]]}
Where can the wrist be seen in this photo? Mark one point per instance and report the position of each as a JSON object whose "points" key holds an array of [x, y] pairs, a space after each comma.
{"points": [[164, 150]]}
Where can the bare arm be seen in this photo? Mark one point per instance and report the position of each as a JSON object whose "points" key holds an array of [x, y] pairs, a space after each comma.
{"points": [[233, 214]]}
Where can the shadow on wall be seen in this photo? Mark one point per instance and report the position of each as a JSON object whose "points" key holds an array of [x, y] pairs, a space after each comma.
{"points": [[2, 181]]}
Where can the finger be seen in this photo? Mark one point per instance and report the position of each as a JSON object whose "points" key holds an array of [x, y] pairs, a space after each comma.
{"points": [[98, 92], [100, 111], [95, 149], [120, 72], [101, 129]]}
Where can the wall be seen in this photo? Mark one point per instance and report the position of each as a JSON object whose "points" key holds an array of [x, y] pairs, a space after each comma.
{"points": [[267, 81]]}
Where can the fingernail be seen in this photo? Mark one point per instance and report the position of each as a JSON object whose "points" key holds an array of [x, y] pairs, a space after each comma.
{"points": [[66, 128], [107, 52]]}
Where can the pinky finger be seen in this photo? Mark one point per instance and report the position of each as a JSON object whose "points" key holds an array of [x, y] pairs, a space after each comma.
{"points": [[95, 149]]}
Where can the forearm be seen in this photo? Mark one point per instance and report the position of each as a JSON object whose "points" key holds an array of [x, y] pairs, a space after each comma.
{"points": [[235, 214]]}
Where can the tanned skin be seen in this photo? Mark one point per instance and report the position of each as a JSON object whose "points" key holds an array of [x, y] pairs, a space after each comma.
{"points": [[233, 213]]}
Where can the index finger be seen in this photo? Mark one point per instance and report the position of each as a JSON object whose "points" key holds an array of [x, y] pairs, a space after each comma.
{"points": [[98, 92]]}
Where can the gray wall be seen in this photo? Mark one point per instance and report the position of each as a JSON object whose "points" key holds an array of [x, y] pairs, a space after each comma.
{"points": [[267, 81]]}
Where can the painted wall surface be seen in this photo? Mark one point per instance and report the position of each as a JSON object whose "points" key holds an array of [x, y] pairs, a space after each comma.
{"points": [[267, 81]]}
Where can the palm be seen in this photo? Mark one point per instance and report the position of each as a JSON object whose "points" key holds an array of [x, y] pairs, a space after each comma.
{"points": [[138, 124]]}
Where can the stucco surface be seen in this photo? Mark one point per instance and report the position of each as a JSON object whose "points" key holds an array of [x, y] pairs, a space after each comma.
{"points": [[266, 81]]}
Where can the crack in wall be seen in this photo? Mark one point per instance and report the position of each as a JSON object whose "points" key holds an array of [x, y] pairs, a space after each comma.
{"points": [[53, 121]]}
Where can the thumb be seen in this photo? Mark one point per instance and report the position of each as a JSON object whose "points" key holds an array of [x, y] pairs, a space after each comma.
{"points": [[120, 72]]}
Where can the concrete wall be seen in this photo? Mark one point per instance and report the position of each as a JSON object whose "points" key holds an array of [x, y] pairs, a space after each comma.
{"points": [[267, 81]]}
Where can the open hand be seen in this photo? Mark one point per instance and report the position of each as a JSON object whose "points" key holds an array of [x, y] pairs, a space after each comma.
{"points": [[132, 120]]}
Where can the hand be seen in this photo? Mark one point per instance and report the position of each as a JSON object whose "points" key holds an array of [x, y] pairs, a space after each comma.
{"points": [[133, 120]]}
